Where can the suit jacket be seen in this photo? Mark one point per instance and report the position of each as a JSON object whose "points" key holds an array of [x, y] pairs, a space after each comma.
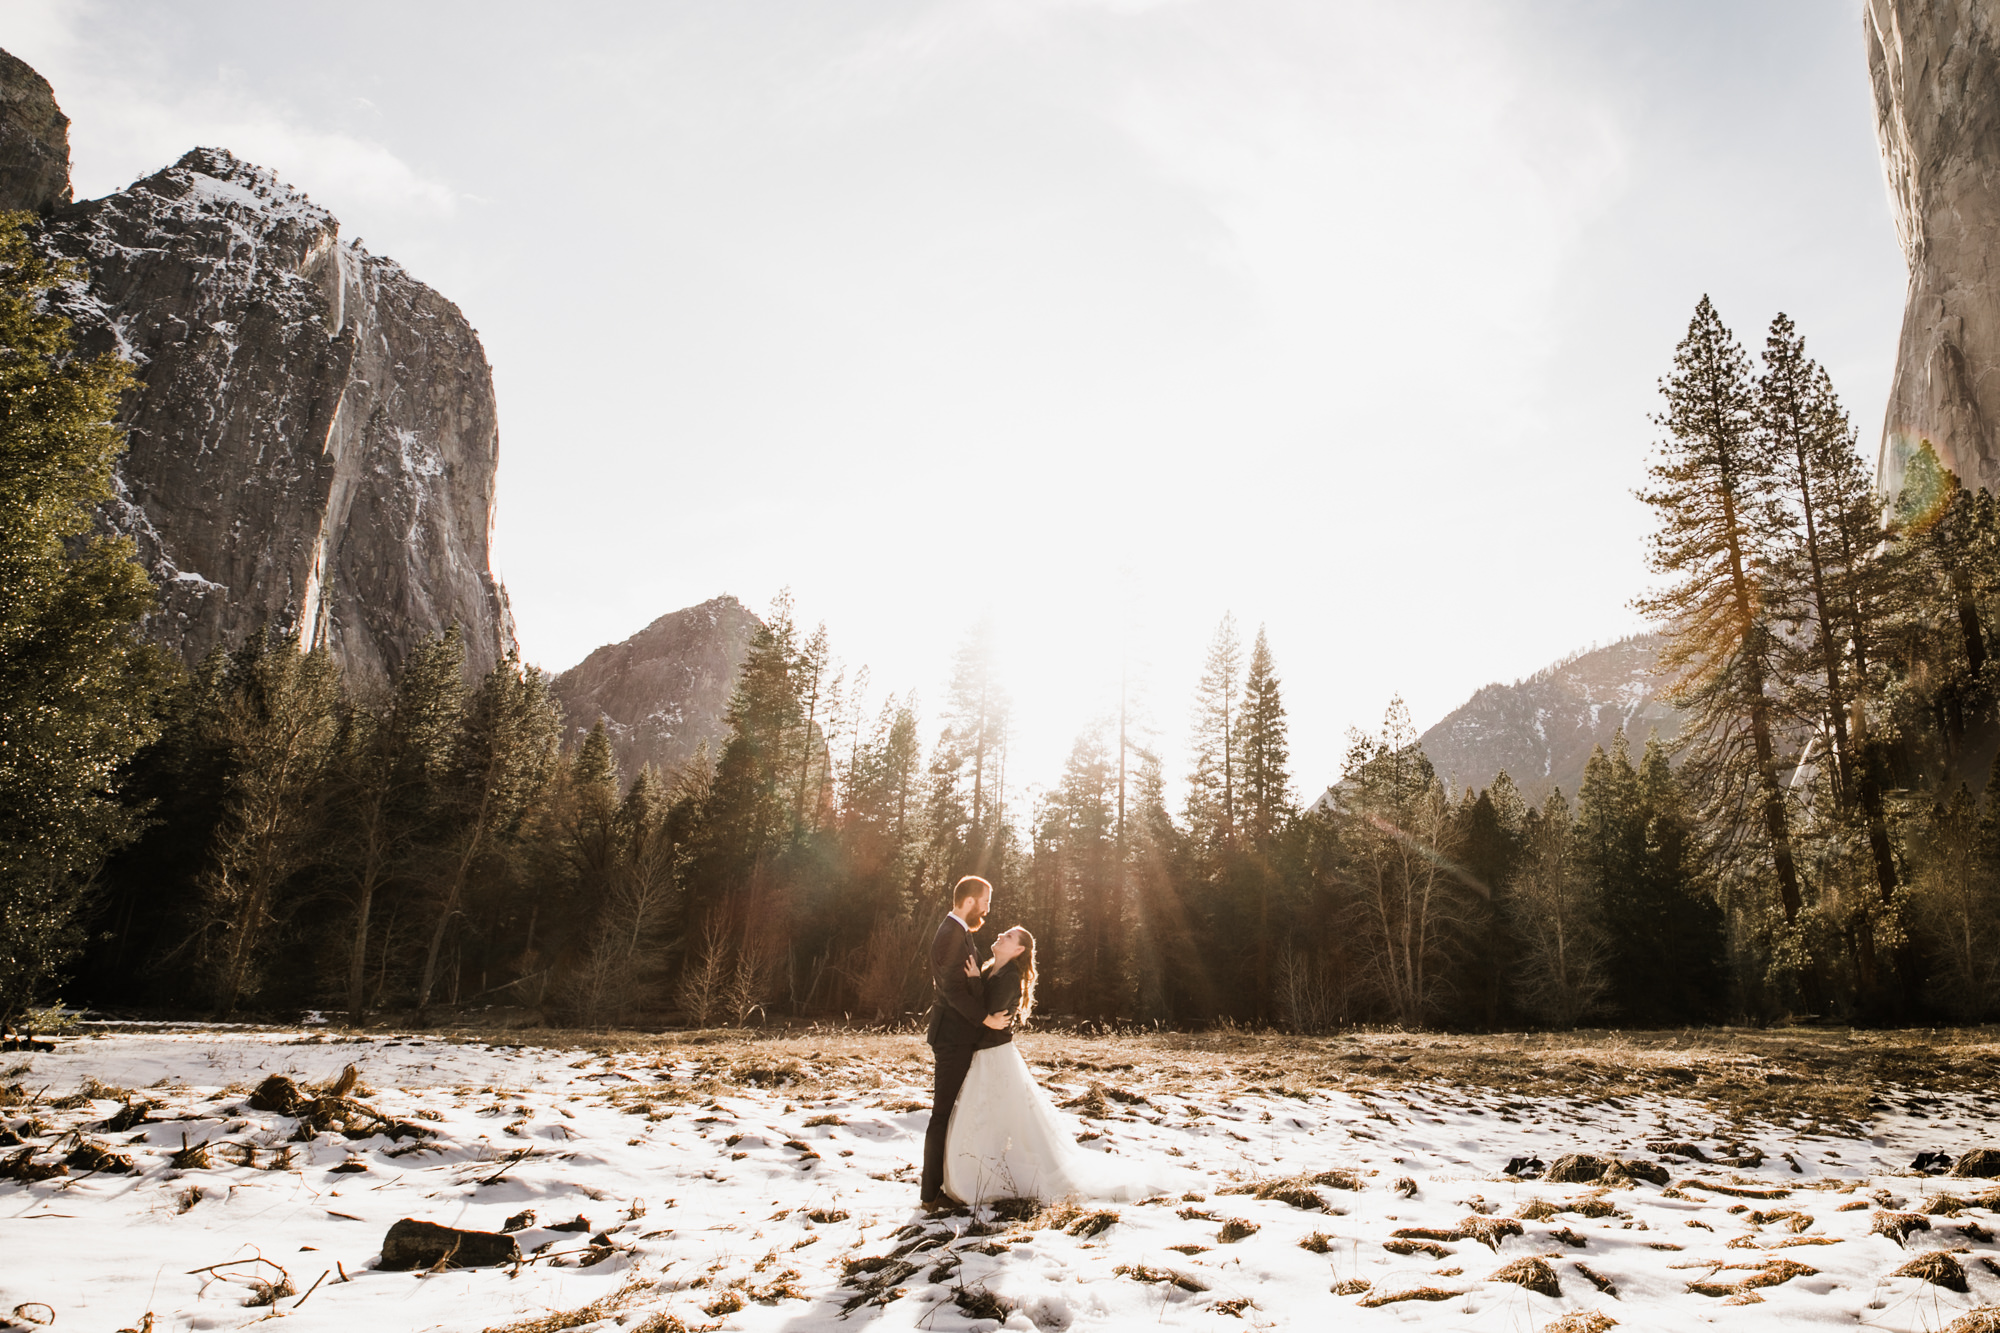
{"points": [[958, 1012], [1003, 992]]}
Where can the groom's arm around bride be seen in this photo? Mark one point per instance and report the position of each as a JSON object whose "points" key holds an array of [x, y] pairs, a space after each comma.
{"points": [[958, 1018]]}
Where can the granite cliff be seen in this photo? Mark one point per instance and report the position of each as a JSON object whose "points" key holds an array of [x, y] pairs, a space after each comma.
{"points": [[34, 141], [662, 692], [313, 442], [1541, 729], [1935, 66]]}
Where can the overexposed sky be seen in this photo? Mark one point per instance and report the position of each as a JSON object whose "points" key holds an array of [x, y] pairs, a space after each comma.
{"points": [[1102, 317]]}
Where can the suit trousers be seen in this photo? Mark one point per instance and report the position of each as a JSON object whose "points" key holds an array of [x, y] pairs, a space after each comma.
{"points": [[948, 1076]]}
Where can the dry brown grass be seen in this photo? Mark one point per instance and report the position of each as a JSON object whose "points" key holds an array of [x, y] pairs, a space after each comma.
{"points": [[1581, 1321], [1413, 1294], [1822, 1075], [1530, 1272], [557, 1321], [1937, 1268], [1143, 1273]]}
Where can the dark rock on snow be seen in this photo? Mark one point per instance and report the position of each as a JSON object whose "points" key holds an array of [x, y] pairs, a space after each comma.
{"points": [[413, 1244]]}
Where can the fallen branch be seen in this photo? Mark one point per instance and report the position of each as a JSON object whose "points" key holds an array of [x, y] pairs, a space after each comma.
{"points": [[310, 1290], [513, 1161]]}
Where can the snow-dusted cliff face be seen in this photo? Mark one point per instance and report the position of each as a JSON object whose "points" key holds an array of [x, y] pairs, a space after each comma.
{"points": [[1935, 65], [662, 692], [1541, 729], [314, 440]]}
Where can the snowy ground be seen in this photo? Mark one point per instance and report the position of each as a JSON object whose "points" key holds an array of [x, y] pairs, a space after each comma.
{"points": [[729, 1189]]}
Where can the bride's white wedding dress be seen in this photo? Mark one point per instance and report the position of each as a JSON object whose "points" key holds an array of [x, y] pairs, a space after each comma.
{"points": [[1008, 1141]]}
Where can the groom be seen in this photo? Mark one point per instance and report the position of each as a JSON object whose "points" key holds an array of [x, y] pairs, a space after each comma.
{"points": [[958, 1018]]}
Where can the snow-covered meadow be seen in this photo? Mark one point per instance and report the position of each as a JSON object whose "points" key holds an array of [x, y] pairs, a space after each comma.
{"points": [[723, 1183]]}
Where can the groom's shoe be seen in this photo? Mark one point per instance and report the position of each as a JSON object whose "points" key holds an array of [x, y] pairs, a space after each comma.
{"points": [[943, 1206]]}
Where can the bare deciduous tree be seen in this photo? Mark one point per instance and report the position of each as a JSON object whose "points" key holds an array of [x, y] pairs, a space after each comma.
{"points": [[704, 975]]}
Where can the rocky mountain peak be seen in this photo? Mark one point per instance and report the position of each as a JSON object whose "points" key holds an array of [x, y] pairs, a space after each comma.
{"points": [[314, 442], [1542, 728], [662, 693]]}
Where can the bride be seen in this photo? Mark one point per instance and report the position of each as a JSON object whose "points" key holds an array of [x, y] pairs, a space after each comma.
{"points": [[1006, 1140]]}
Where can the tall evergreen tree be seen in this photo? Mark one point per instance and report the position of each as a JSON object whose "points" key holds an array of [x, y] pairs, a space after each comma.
{"points": [[1829, 569], [506, 755], [1714, 498], [1491, 825], [1265, 807], [976, 715], [393, 764], [1077, 866], [1266, 798], [279, 719], [750, 805], [78, 691], [1950, 567], [1215, 779]]}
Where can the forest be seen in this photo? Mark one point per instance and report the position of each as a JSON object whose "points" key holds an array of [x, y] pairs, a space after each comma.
{"points": [[261, 835]]}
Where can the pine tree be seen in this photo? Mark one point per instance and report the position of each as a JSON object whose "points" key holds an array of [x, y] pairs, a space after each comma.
{"points": [[1214, 782], [78, 691], [1610, 842], [1490, 825], [1714, 498], [976, 717], [1662, 939], [392, 766], [1265, 808], [1830, 572], [1950, 565], [1076, 864], [280, 721], [505, 757], [1266, 797], [1684, 950], [750, 806], [811, 684]]}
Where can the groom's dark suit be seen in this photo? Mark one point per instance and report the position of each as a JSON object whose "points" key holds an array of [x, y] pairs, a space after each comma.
{"points": [[957, 1024]]}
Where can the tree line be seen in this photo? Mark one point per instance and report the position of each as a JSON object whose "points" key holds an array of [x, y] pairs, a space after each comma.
{"points": [[263, 834]]}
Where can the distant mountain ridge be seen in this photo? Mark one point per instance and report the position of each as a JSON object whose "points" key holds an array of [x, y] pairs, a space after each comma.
{"points": [[1541, 729], [662, 692]]}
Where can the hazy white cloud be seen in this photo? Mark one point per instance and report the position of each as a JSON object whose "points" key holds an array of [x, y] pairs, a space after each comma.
{"points": [[144, 111]]}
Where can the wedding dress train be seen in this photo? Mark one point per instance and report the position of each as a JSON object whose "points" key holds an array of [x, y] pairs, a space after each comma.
{"points": [[1007, 1141]]}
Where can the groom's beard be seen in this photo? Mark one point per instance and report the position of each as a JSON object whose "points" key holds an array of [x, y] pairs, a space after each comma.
{"points": [[974, 920]]}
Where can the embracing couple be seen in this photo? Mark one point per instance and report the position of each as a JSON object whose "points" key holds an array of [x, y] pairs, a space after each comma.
{"points": [[994, 1133]]}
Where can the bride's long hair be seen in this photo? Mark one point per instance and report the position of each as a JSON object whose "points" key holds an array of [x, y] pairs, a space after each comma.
{"points": [[1027, 962]]}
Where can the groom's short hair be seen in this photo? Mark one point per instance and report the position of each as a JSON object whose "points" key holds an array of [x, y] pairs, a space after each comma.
{"points": [[969, 888]]}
